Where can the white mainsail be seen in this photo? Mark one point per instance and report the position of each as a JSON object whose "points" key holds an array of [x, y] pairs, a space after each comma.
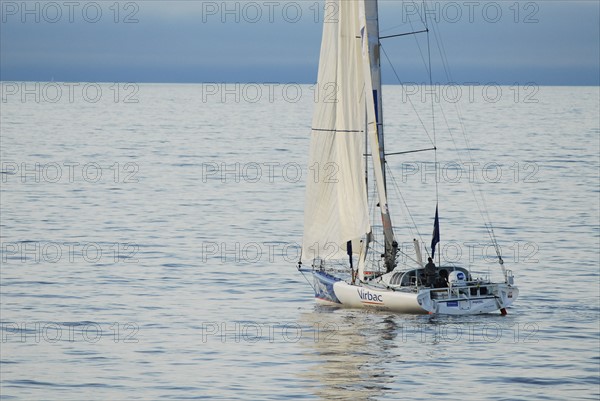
{"points": [[336, 209]]}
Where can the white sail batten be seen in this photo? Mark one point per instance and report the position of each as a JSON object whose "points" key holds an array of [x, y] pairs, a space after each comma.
{"points": [[336, 206]]}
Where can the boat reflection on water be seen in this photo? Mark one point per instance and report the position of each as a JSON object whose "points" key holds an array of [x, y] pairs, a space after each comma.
{"points": [[349, 348]]}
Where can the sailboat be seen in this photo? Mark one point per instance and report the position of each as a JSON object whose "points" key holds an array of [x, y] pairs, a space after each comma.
{"points": [[338, 232]]}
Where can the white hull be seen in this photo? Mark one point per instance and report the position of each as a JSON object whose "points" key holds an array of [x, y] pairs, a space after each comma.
{"points": [[466, 300]]}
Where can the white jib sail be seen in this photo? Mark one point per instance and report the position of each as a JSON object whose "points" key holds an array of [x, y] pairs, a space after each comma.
{"points": [[336, 206]]}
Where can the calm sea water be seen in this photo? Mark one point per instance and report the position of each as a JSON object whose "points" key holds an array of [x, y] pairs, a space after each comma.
{"points": [[149, 239]]}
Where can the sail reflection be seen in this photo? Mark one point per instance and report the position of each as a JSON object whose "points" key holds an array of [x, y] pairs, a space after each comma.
{"points": [[350, 349]]}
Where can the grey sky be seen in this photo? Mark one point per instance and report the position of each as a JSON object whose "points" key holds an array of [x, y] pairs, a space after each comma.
{"points": [[546, 42]]}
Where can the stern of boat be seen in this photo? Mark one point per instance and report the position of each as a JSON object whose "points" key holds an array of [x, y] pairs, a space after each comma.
{"points": [[472, 299]]}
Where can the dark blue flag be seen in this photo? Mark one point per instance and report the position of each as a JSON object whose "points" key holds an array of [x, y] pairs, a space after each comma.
{"points": [[436, 233]]}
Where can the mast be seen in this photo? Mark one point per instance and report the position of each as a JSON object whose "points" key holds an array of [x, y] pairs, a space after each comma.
{"points": [[372, 64]]}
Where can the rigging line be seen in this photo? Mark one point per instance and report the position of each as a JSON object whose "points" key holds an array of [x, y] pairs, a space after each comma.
{"points": [[403, 34], [408, 224], [408, 98], [409, 151], [432, 114], [375, 251], [417, 40], [408, 257], [459, 158], [392, 27], [442, 50], [423, 20], [430, 71], [484, 213], [414, 31], [400, 252], [479, 207], [407, 210], [309, 283], [403, 153]]}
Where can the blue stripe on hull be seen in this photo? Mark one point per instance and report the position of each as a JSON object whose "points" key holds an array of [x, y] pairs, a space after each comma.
{"points": [[324, 287]]}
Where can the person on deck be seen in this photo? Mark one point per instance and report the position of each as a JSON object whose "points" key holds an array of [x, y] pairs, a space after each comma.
{"points": [[442, 281], [430, 272]]}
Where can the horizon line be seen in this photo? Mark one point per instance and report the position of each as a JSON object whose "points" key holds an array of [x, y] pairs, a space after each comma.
{"points": [[470, 83]]}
